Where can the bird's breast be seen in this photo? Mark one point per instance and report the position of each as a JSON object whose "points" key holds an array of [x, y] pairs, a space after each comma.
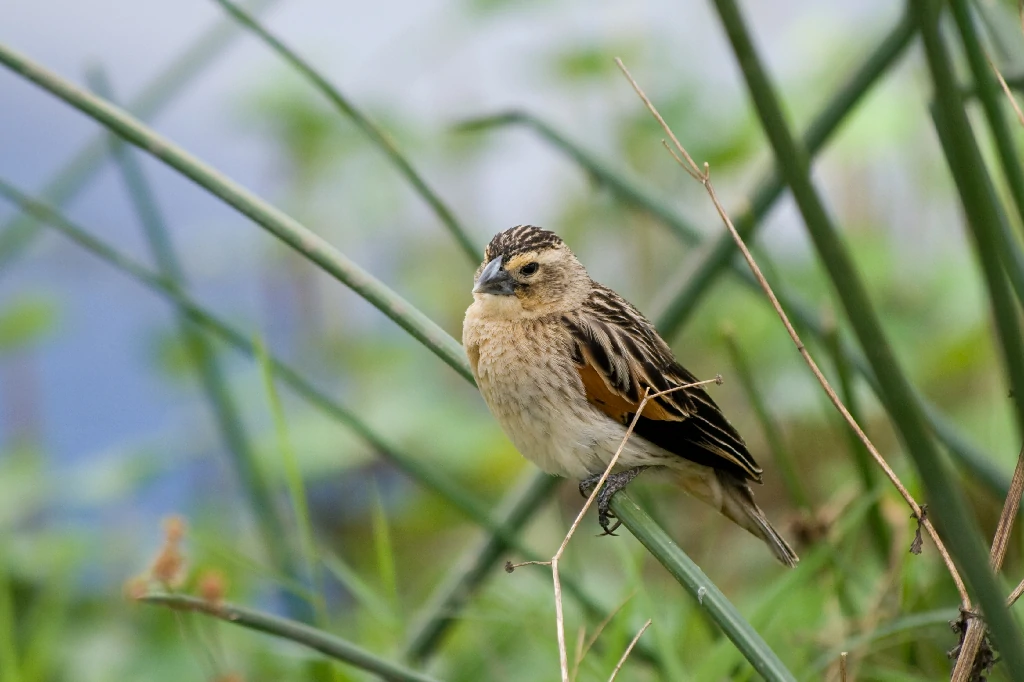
{"points": [[525, 373]]}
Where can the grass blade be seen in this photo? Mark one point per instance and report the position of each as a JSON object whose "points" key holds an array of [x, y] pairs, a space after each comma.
{"points": [[960, 529], [318, 640], [373, 132], [17, 235], [296, 487], [385, 551]]}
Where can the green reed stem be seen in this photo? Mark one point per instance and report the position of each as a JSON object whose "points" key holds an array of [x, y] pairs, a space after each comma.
{"points": [[18, 234], [946, 502], [377, 136], [711, 600]]}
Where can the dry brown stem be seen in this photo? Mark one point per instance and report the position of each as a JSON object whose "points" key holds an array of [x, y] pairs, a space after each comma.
{"points": [[1002, 81], [553, 562], [704, 178], [976, 631], [842, 666], [1015, 595]]}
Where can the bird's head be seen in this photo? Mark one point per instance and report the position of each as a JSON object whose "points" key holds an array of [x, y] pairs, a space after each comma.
{"points": [[529, 272]]}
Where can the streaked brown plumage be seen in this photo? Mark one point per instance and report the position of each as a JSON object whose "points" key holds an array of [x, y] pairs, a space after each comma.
{"points": [[563, 364]]}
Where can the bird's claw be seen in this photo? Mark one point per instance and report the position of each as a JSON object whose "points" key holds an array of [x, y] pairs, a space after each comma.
{"points": [[613, 484]]}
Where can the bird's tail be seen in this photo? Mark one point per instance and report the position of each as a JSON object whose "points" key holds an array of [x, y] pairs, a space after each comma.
{"points": [[738, 506]]}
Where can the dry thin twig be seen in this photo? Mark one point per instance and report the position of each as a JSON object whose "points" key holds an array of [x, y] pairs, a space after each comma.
{"points": [[553, 562], [625, 654], [704, 178], [1002, 81], [842, 666], [974, 638], [1015, 595], [583, 649]]}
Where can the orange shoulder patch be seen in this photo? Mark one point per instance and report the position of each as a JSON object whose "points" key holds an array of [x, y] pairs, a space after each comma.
{"points": [[600, 395]]}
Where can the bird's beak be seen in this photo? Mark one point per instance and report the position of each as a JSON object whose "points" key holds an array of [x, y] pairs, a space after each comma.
{"points": [[494, 280]]}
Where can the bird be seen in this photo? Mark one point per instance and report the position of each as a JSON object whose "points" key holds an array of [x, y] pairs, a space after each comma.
{"points": [[563, 364]]}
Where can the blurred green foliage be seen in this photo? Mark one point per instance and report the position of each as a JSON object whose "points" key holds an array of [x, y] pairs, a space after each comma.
{"points": [[383, 545]]}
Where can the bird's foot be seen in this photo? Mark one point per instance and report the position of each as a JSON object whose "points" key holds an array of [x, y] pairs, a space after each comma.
{"points": [[613, 484]]}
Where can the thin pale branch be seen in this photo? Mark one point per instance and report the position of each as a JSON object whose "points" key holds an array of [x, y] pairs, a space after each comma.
{"points": [[625, 654], [705, 179], [1015, 595], [1006, 88]]}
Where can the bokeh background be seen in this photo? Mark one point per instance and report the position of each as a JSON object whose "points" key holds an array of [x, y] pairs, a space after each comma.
{"points": [[106, 428]]}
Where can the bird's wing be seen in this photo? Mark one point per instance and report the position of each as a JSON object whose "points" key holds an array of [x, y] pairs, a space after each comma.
{"points": [[619, 355]]}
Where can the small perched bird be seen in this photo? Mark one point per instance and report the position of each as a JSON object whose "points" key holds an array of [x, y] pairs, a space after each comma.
{"points": [[563, 364]]}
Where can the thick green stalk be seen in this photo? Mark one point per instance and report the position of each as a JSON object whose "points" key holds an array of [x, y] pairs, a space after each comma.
{"points": [[960, 530], [329, 645], [772, 431], [992, 101], [314, 247], [376, 135], [255, 488], [803, 314], [504, 528], [765, 661], [17, 235]]}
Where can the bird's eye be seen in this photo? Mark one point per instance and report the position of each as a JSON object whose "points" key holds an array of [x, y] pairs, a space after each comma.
{"points": [[529, 269]]}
